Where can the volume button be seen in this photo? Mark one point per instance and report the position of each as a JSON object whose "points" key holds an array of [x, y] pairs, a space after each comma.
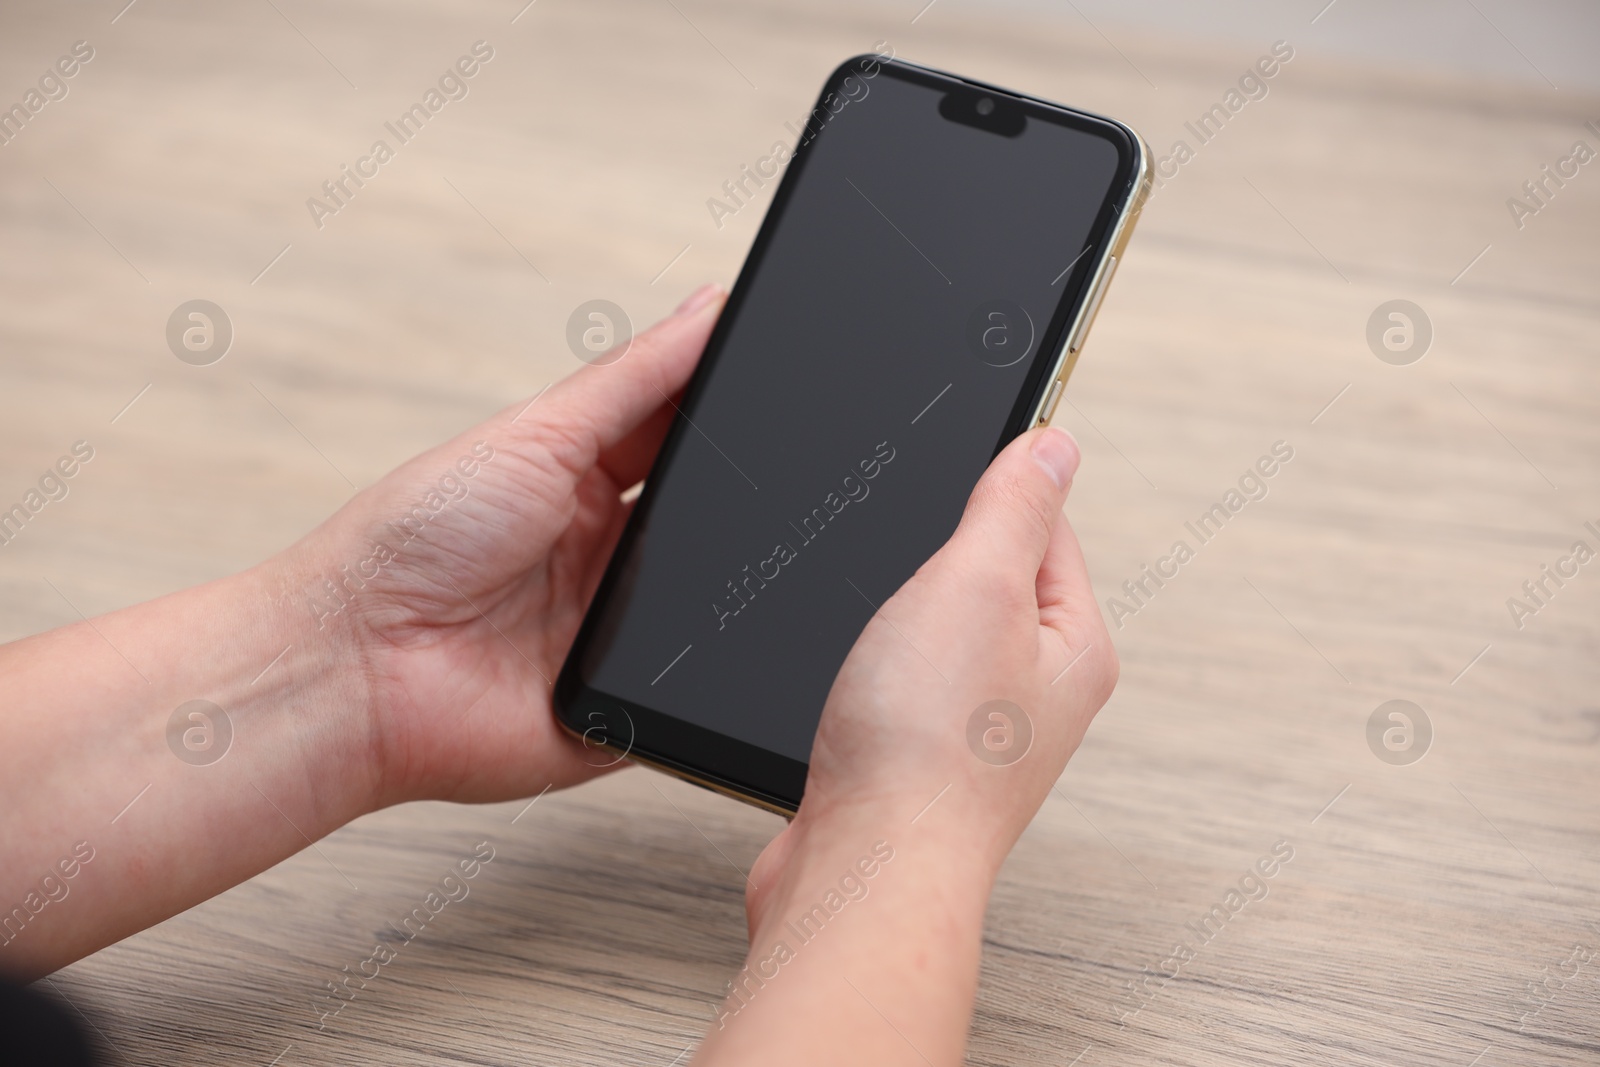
{"points": [[1092, 306], [1051, 401]]}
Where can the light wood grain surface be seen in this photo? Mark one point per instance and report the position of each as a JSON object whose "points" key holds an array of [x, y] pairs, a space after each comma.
{"points": [[1417, 908]]}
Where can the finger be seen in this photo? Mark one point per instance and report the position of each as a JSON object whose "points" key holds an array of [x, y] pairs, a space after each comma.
{"points": [[630, 459], [1011, 515], [1066, 598], [593, 410], [595, 546], [1067, 606]]}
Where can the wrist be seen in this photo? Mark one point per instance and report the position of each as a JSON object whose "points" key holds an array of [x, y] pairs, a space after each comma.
{"points": [[860, 920], [952, 820], [312, 689], [942, 870], [209, 715]]}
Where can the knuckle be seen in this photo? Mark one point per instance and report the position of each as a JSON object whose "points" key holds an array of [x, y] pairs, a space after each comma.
{"points": [[571, 448], [645, 347], [1107, 671], [1013, 499]]}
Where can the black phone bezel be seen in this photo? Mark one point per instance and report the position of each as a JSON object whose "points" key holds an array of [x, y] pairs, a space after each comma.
{"points": [[705, 756]]}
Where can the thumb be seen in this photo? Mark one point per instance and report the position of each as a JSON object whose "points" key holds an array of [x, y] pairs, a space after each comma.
{"points": [[1013, 511], [597, 407]]}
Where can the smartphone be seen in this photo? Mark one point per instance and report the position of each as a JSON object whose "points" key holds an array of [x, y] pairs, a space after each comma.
{"points": [[916, 297]]}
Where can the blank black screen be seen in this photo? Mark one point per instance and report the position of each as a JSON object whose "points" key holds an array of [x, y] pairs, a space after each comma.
{"points": [[851, 401]]}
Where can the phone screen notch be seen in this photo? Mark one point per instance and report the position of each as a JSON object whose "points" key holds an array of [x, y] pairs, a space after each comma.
{"points": [[975, 106]]}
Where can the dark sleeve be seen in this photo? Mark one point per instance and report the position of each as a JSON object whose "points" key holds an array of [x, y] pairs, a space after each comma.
{"points": [[39, 1030]]}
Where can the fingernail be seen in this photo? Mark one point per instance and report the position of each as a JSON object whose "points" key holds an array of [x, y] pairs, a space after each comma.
{"points": [[1057, 453], [698, 299]]}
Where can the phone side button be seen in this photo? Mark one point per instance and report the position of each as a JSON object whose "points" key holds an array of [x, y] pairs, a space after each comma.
{"points": [[1093, 305], [1051, 401]]}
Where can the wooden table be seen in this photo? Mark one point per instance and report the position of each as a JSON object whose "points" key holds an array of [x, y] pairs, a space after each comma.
{"points": [[1421, 899]]}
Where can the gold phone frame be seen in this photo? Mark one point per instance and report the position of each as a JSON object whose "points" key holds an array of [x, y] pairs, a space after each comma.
{"points": [[1105, 269]]}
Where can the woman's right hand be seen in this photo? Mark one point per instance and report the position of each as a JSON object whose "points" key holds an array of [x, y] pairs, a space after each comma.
{"points": [[998, 614], [920, 783]]}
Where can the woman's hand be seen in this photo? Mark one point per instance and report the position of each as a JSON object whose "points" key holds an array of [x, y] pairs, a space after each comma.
{"points": [[976, 681], [475, 562], [402, 650], [917, 760]]}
